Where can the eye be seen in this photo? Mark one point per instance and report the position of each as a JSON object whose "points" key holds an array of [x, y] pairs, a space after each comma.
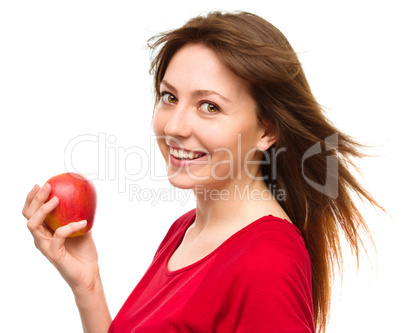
{"points": [[168, 98], [209, 108]]}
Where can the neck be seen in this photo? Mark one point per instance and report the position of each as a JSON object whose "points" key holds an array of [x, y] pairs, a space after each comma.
{"points": [[234, 205]]}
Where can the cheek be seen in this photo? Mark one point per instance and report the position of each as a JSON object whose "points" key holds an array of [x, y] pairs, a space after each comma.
{"points": [[158, 126], [163, 149], [237, 143], [216, 135], [158, 123]]}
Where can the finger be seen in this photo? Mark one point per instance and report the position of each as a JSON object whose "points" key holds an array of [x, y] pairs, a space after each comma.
{"points": [[62, 233], [38, 200], [29, 199], [37, 219]]}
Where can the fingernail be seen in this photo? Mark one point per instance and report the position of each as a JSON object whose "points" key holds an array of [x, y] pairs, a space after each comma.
{"points": [[82, 222], [45, 187], [34, 188], [54, 199]]}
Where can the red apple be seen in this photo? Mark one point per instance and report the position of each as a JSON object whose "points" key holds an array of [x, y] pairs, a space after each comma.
{"points": [[77, 201]]}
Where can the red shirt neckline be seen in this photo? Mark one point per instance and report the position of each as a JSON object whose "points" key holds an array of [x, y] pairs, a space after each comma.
{"points": [[236, 234]]}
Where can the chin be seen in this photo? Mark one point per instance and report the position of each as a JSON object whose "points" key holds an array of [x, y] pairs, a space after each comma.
{"points": [[183, 184]]}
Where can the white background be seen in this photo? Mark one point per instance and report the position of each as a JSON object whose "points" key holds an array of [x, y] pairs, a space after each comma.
{"points": [[76, 68]]}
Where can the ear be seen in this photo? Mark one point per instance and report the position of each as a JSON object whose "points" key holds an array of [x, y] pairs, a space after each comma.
{"points": [[267, 139]]}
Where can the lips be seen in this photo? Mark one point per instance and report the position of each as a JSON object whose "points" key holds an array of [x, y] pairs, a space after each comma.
{"points": [[185, 154]]}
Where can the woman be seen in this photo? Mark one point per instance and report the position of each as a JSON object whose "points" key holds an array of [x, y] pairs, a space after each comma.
{"points": [[237, 123]]}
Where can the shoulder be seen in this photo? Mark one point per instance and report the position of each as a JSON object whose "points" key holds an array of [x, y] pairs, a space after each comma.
{"points": [[270, 246], [177, 229], [273, 234], [266, 275], [182, 223]]}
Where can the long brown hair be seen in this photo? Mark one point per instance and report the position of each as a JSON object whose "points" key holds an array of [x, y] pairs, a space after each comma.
{"points": [[315, 171]]}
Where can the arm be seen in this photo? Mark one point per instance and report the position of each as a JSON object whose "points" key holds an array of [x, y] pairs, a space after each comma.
{"points": [[75, 258], [275, 287], [94, 312]]}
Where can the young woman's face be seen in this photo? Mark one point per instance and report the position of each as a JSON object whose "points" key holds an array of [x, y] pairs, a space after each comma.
{"points": [[206, 122]]}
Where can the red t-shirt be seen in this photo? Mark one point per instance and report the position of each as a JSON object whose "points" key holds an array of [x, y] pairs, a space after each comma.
{"points": [[258, 280]]}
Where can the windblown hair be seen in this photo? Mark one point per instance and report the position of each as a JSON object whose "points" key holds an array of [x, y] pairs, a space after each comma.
{"points": [[315, 170]]}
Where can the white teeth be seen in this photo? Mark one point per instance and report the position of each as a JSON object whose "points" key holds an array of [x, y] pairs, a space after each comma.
{"points": [[178, 153]]}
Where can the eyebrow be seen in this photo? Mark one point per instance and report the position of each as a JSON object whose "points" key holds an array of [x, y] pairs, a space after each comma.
{"points": [[196, 93]]}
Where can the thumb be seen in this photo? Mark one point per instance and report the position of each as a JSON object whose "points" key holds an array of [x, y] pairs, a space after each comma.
{"points": [[62, 233]]}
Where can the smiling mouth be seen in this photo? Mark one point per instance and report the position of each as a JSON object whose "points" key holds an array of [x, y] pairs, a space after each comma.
{"points": [[181, 154]]}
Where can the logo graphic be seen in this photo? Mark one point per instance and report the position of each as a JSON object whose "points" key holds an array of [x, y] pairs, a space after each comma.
{"points": [[330, 188]]}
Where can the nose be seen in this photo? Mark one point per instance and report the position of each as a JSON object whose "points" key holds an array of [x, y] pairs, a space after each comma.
{"points": [[179, 122]]}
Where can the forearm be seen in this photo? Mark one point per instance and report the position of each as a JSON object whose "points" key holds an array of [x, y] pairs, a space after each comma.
{"points": [[94, 312]]}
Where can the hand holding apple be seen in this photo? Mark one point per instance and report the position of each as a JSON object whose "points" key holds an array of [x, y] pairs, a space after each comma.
{"points": [[77, 201], [75, 258]]}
